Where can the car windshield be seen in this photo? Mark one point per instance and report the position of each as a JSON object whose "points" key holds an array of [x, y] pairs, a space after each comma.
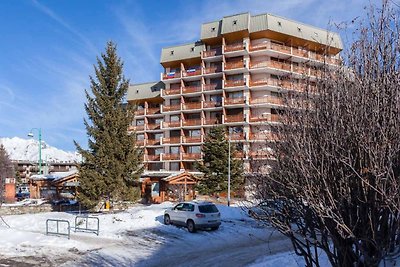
{"points": [[208, 208]]}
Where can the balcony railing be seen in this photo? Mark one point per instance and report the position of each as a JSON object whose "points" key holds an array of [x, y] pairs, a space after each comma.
{"points": [[234, 47], [139, 112], [279, 65], [236, 136], [280, 48], [138, 127], [260, 154], [234, 101], [175, 91], [211, 70], [171, 107], [211, 121], [171, 75], [234, 83], [191, 89], [191, 156], [152, 157], [260, 46], [212, 53], [316, 56], [267, 100], [191, 72], [191, 122], [171, 140], [258, 64], [169, 156], [140, 142], [192, 105], [234, 118], [314, 72], [267, 81], [234, 65], [300, 69], [171, 124], [192, 139], [264, 136], [153, 110], [152, 142], [300, 52], [211, 104], [153, 126], [211, 87]]}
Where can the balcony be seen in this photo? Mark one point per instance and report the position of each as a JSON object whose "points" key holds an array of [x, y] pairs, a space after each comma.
{"points": [[211, 87], [152, 157], [234, 101], [171, 124], [171, 75], [280, 48], [212, 53], [153, 126], [171, 108], [140, 142], [212, 70], [211, 104], [172, 140], [234, 65], [235, 118], [257, 47], [270, 64], [192, 139], [191, 89], [191, 156], [236, 136], [191, 122], [192, 105], [153, 142], [300, 70], [260, 154], [234, 47], [138, 127], [211, 121], [300, 52], [175, 91], [264, 136], [139, 112], [235, 83], [267, 81], [316, 73], [192, 72], [151, 111], [169, 156], [267, 100], [316, 56]]}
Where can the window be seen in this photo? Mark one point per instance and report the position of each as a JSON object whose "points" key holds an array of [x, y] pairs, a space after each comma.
{"points": [[208, 208], [299, 29], [213, 29], [194, 149], [140, 137], [188, 207], [179, 206], [175, 101], [155, 189], [279, 23], [193, 133], [174, 149], [174, 166], [172, 52], [139, 122], [158, 151], [175, 118], [192, 49], [235, 22]]}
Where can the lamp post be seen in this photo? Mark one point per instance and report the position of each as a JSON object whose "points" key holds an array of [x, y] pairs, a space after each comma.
{"points": [[30, 134], [229, 168]]}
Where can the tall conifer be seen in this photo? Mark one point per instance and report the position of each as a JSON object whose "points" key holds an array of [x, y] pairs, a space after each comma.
{"points": [[112, 163]]}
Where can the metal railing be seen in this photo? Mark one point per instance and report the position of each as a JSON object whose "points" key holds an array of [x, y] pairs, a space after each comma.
{"points": [[82, 224], [57, 232]]}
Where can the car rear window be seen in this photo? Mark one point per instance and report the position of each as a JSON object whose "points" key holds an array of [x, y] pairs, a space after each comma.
{"points": [[208, 208]]}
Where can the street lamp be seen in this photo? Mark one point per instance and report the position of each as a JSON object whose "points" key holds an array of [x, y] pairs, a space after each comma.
{"points": [[30, 134]]}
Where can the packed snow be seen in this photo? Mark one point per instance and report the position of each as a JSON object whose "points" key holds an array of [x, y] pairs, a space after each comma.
{"points": [[138, 237], [28, 149]]}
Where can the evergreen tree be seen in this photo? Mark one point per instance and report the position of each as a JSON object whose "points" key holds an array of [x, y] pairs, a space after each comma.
{"points": [[215, 164], [112, 163], [6, 169]]}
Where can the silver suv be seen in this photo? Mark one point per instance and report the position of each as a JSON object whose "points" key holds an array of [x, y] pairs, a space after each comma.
{"points": [[194, 215]]}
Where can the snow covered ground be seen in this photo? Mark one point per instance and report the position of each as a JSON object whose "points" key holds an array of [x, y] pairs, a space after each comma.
{"points": [[138, 237]]}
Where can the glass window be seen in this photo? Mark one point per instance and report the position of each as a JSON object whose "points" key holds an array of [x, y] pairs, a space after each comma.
{"points": [[208, 209], [155, 189], [174, 149]]}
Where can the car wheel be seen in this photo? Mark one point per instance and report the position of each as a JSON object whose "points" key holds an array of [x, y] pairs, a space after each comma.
{"points": [[214, 228], [167, 220], [190, 226]]}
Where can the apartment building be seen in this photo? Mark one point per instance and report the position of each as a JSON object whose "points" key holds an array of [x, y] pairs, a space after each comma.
{"points": [[233, 76]]}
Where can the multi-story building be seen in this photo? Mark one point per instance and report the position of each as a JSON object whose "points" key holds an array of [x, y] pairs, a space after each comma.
{"points": [[233, 76]]}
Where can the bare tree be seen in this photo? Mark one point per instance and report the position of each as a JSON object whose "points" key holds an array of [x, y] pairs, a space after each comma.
{"points": [[336, 178]]}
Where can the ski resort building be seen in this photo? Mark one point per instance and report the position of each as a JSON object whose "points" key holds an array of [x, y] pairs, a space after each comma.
{"points": [[234, 75]]}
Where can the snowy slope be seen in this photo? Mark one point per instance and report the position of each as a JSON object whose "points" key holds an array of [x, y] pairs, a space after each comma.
{"points": [[28, 149]]}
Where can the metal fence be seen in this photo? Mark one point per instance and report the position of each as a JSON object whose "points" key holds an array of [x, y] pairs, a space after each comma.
{"points": [[58, 230], [87, 224]]}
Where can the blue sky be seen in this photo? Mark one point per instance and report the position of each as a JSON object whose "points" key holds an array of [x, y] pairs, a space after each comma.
{"points": [[48, 49]]}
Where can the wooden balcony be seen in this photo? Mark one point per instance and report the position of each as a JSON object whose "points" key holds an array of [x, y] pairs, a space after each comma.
{"points": [[153, 142], [154, 110], [300, 52], [260, 46], [316, 73], [138, 127], [234, 47], [265, 117], [192, 105], [234, 83], [169, 156], [191, 156], [139, 112], [171, 108], [153, 126], [234, 65], [171, 75], [211, 104], [140, 142], [172, 140], [171, 124], [212, 53], [192, 72], [260, 154], [264, 136], [211, 70], [211, 121], [316, 56], [258, 64], [211, 87], [267, 100], [234, 101], [175, 91], [191, 122], [191, 89], [270, 64], [300, 70], [236, 136], [152, 157], [234, 118], [267, 81], [280, 48], [192, 139], [332, 60]]}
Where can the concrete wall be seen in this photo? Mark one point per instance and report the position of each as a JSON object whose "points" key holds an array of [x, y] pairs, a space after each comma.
{"points": [[16, 210]]}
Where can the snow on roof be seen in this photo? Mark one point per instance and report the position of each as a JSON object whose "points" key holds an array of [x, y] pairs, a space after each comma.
{"points": [[53, 176]]}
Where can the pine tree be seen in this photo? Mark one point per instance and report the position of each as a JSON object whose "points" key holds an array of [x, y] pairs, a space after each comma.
{"points": [[215, 164], [6, 169], [112, 163]]}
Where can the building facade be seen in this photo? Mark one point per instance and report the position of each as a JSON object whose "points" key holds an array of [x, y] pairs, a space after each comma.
{"points": [[234, 76]]}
